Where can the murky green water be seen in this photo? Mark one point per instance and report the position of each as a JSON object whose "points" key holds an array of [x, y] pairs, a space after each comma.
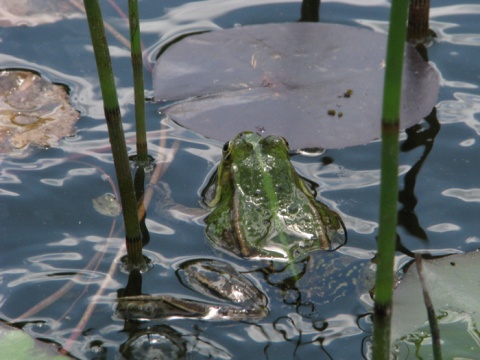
{"points": [[50, 230]]}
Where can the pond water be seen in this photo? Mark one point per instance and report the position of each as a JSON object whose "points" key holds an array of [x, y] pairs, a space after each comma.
{"points": [[50, 230]]}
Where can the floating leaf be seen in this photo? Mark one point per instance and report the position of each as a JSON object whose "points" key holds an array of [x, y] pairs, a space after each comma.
{"points": [[32, 111], [35, 12], [15, 344], [107, 204], [453, 284], [318, 85]]}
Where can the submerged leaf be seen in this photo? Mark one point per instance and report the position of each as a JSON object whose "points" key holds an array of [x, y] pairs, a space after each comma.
{"points": [[107, 204], [33, 111], [318, 85]]}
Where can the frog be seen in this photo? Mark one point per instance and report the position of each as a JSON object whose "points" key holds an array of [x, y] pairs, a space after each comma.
{"points": [[261, 206]]}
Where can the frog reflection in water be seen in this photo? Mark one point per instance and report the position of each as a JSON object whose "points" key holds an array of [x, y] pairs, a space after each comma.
{"points": [[262, 207]]}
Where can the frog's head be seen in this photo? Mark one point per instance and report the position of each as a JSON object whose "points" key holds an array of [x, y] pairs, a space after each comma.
{"points": [[248, 146], [244, 155]]}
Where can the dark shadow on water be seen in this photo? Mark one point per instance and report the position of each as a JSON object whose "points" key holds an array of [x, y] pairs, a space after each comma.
{"points": [[134, 285], [417, 136]]}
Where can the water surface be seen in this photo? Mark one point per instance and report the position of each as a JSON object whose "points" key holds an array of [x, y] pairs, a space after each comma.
{"points": [[50, 230]]}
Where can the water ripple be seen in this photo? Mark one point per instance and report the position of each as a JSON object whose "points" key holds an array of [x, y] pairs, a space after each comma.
{"points": [[463, 109], [467, 195]]}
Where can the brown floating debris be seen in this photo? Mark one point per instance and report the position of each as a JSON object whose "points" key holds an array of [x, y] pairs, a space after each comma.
{"points": [[33, 111]]}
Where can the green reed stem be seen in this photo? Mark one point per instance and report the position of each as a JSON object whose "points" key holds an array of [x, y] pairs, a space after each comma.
{"points": [[389, 179], [116, 135], [137, 65]]}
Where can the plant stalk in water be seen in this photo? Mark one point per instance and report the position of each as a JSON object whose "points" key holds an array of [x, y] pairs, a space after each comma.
{"points": [[432, 317], [116, 135], [418, 21], [389, 179], [137, 66]]}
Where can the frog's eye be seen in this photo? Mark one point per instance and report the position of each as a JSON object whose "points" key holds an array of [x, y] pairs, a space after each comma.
{"points": [[226, 148], [286, 142], [279, 140]]}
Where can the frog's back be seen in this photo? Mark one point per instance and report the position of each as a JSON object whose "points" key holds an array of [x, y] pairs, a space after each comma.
{"points": [[265, 207], [278, 216]]}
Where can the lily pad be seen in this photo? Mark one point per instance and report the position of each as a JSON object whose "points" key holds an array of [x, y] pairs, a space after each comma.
{"points": [[15, 344], [453, 285], [33, 111], [35, 12], [318, 85]]}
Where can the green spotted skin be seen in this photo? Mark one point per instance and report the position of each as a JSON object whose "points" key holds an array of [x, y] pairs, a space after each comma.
{"points": [[263, 208]]}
